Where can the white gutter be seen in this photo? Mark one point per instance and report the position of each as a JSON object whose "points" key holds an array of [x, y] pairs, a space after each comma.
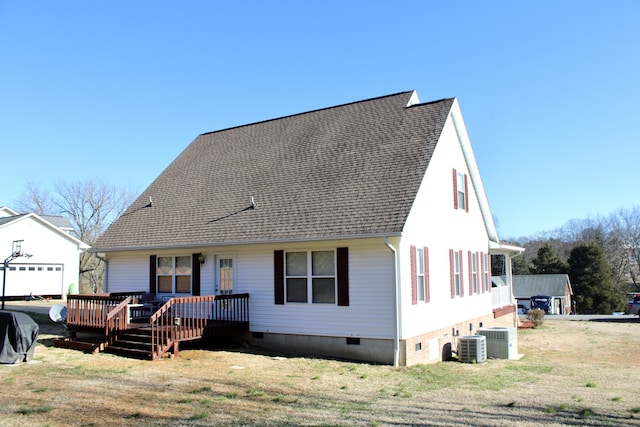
{"points": [[396, 338]]}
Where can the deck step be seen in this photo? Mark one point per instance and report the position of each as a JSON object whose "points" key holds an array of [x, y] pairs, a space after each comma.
{"points": [[134, 343]]}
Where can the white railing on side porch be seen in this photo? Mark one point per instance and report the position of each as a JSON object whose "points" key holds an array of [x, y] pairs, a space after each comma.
{"points": [[501, 296]]}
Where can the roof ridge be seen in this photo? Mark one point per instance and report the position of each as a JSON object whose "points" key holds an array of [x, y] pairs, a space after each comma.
{"points": [[313, 111]]}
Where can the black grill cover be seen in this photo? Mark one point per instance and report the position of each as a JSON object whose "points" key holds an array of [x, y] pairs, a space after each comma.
{"points": [[18, 337]]}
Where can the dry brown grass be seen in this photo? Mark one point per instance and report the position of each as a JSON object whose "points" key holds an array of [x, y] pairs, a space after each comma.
{"points": [[572, 373]]}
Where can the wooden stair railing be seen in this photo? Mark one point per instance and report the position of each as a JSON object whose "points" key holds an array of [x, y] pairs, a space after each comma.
{"points": [[117, 320], [188, 318]]}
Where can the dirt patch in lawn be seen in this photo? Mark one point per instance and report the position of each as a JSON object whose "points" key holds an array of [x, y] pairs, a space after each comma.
{"points": [[572, 373]]}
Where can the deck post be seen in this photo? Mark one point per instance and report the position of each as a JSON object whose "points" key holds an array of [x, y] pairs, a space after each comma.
{"points": [[176, 348]]}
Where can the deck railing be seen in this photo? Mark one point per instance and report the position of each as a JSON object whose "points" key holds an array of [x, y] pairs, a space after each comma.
{"points": [[501, 296], [90, 311], [188, 318], [179, 319]]}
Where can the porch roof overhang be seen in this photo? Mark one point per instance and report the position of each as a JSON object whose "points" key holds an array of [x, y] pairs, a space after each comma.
{"points": [[498, 248]]}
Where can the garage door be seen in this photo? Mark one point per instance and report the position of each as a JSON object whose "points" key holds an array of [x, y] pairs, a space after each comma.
{"points": [[36, 279]]}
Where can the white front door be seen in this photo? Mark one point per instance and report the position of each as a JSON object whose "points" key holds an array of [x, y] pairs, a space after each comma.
{"points": [[224, 275]]}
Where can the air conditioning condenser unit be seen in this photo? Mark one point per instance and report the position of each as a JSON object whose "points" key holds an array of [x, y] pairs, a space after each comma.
{"points": [[472, 349], [502, 343]]}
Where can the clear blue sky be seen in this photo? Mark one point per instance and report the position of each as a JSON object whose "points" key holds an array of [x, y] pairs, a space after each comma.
{"points": [[115, 90]]}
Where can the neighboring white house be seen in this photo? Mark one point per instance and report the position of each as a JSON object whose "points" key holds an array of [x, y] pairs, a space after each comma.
{"points": [[360, 231], [51, 261]]}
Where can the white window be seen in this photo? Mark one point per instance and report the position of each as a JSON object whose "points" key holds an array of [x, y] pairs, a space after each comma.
{"points": [[310, 277], [486, 272], [174, 275], [462, 191], [456, 271], [474, 272], [420, 274]]}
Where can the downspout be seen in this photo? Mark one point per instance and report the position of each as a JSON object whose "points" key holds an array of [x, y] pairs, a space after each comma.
{"points": [[106, 270], [396, 338]]}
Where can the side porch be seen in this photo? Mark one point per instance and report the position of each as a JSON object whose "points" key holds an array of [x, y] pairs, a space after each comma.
{"points": [[134, 325]]}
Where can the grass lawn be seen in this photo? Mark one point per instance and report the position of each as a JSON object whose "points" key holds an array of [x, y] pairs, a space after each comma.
{"points": [[572, 373]]}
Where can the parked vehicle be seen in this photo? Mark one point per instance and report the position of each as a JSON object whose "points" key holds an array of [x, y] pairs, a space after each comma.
{"points": [[542, 302], [633, 306], [522, 309]]}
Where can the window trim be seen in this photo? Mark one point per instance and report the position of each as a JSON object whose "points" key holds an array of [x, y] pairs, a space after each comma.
{"points": [[486, 258], [174, 274], [460, 191], [473, 273], [309, 276], [342, 271]]}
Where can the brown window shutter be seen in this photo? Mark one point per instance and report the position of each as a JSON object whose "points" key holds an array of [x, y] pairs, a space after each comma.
{"points": [[461, 274], [343, 275], [466, 193], [278, 268], [427, 291], [195, 275], [414, 276], [455, 189], [152, 274], [452, 273]]}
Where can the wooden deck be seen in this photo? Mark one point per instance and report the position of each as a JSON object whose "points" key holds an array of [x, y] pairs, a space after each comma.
{"points": [[121, 323]]}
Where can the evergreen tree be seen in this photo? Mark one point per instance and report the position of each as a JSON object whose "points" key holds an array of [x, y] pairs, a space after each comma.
{"points": [[547, 262], [593, 288]]}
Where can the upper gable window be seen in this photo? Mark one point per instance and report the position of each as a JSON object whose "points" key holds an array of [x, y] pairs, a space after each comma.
{"points": [[460, 191]]}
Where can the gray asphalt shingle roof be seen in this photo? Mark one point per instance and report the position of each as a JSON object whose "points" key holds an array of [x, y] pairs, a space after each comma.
{"points": [[350, 170], [525, 286]]}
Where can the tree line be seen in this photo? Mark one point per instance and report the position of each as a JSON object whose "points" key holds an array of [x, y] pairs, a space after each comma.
{"points": [[600, 255]]}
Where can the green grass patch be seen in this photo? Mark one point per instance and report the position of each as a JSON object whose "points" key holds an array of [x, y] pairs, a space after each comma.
{"points": [[30, 411], [550, 410], [40, 390], [590, 384], [252, 392], [616, 399], [201, 390], [635, 410], [199, 416], [586, 412]]}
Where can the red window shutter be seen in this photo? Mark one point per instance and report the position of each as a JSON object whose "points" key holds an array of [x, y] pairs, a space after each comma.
{"points": [[278, 279], [414, 276], [342, 258], [452, 273], [427, 291], [455, 189], [466, 193], [195, 275], [461, 274], [470, 273]]}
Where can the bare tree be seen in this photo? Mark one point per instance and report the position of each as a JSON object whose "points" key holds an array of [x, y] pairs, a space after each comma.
{"points": [[90, 206], [625, 229], [35, 200]]}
